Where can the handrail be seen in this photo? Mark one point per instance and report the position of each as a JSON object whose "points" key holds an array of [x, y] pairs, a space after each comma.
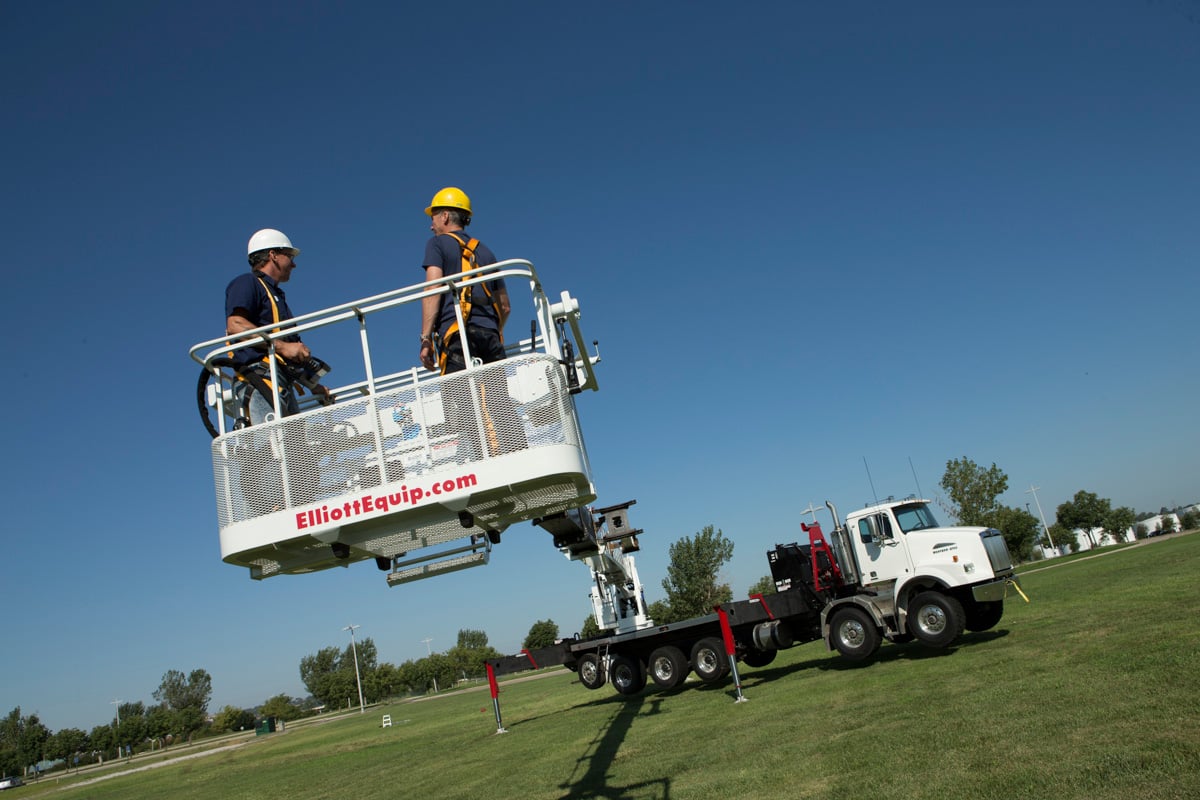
{"points": [[546, 315]]}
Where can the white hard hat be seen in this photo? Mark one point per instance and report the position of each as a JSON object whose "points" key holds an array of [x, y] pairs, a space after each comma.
{"points": [[271, 239]]}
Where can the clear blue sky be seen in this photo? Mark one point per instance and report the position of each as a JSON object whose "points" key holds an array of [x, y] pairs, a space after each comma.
{"points": [[805, 235]]}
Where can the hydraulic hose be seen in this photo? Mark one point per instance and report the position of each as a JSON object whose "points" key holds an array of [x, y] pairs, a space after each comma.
{"points": [[250, 376]]}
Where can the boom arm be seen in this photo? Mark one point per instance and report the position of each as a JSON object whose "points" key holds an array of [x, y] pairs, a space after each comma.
{"points": [[604, 542]]}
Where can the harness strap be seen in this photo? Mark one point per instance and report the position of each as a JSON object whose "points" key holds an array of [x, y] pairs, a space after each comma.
{"points": [[466, 300]]}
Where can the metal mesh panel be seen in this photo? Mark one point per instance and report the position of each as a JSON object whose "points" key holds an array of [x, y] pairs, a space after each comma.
{"points": [[518, 404]]}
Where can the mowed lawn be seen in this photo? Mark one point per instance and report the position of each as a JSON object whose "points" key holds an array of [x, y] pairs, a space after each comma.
{"points": [[1090, 691]]}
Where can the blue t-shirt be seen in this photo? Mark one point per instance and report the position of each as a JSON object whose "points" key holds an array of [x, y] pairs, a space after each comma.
{"points": [[445, 251], [245, 296]]}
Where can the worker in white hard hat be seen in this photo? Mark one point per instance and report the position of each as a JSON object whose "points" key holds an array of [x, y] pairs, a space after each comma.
{"points": [[254, 299]]}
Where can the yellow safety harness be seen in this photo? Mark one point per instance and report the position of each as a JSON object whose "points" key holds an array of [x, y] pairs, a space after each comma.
{"points": [[466, 300], [265, 379]]}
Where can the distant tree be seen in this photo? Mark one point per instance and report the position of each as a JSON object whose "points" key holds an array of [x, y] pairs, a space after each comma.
{"points": [[180, 692], [1189, 520], [589, 627], [764, 586], [471, 652], [1140, 531], [1168, 524], [134, 727], [22, 741], [161, 721], [437, 672], [692, 584], [972, 489], [232, 718], [329, 675], [1084, 512], [281, 707], [472, 640], [102, 739], [1019, 527], [1117, 522], [541, 634], [66, 743], [1064, 539], [660, 611]]}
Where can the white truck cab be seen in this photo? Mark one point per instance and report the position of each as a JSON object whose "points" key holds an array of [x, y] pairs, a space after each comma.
{"points": [[914, 578]]}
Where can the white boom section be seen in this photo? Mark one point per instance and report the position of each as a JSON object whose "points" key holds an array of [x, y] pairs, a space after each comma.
{"points": [[606, 545], [408, 460]]}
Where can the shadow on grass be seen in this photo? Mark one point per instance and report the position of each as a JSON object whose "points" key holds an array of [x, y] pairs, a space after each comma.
{"points": [[598, 757], [910, 651]]}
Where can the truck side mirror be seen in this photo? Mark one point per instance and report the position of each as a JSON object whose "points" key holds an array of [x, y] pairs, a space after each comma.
{"points": [[885, 527], [866, 530]]}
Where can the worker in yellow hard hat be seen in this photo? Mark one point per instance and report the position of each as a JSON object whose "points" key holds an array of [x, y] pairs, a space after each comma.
{"points": [[485, 305]]}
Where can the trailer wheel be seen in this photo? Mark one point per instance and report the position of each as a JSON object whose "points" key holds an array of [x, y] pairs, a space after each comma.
{"points": [[854, 633], [628, 675], [935, 619], [753, 657], [709, 661], [984, 616], [591, 672], [668, 667]]}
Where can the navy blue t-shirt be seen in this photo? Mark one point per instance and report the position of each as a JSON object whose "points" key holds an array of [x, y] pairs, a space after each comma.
{"points": [[246, 292], [445, 251]]}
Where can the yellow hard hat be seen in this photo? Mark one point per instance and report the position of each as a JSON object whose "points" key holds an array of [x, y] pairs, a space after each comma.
{"points": [[450, 197]]}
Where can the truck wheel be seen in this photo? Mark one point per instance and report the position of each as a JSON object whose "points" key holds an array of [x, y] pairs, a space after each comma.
{"points": [[591, 672], [628, 675], [753, 657], [935, 619], [984, 616], [709, 661], [668, 666], [854, 633]]}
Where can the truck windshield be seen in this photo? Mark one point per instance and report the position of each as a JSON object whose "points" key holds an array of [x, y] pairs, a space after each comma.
{"points": [[915, 517]]}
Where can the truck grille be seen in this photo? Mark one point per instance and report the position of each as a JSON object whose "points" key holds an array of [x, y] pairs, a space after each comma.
{"points": [[997, 550]]}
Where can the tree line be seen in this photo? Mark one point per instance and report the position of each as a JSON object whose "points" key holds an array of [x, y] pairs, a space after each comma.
{"points": [[180, 713]]}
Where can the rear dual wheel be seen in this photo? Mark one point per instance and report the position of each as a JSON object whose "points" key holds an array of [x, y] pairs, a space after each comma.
{"points": [[709, 661], [854, 633], [668, 667], [627, 674], [591, 671]]}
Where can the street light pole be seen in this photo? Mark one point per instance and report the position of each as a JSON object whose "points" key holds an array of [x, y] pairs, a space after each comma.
{"points": [[117, 733], [354, 648], [429, 652], [1034, 490]]}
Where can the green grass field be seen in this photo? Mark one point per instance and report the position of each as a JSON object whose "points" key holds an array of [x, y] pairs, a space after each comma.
{"points": [[1091, 691]]}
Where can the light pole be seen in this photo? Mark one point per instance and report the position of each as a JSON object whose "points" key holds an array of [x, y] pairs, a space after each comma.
{"points": [[429, 652], [354, 648], [1033, 490], [117, 733]]}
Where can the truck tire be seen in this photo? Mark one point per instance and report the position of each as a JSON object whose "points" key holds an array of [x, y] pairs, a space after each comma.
{"points": [[627, 674], [668, 667], [753, 657], [983, 616], [854, 633], [935, 619], [709, 661], [591, 671]]}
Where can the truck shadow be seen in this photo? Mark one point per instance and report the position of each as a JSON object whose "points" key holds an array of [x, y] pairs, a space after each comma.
{"points": [[889, 652], [589, 779]]}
